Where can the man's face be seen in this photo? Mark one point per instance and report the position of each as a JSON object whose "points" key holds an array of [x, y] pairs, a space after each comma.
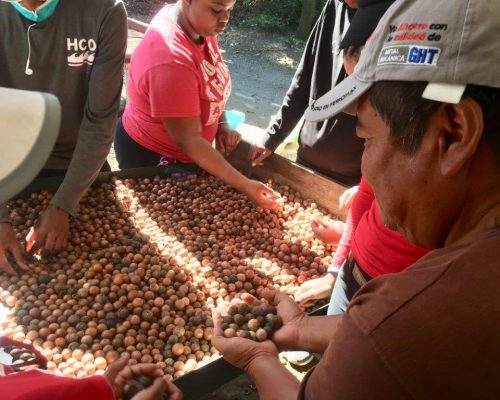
{"points": [[402, 184], [209, 17]]}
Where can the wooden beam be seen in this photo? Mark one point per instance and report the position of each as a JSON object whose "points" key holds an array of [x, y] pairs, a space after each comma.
{"points": [[136, 30], [137, 25]]}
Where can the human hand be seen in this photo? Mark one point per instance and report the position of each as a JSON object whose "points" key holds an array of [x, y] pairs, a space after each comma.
{"points": [[262, 195], [118, 373], [288, 336], [50, 233], [227, 140], [346, 198], [257, 154], [315, 289], [10, 246], [239, 351], [327, 231]]}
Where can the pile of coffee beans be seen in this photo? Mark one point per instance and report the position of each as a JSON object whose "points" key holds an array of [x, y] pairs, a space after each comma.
{"points": [[146, 262]]}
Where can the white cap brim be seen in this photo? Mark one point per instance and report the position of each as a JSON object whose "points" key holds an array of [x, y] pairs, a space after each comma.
{"points": [[444, 92], [30, 127], [342, 98]]}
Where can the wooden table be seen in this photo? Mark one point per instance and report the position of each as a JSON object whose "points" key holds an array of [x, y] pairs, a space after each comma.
{"points": [[312, 185]]}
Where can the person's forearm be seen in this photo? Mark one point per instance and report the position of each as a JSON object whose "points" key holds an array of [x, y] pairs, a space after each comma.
{"points": [[315, 333], [90, 154], [206, 157], [295, 101], [292, 108], [298, 94], [99, 118], [344, 246], [272, 379]]}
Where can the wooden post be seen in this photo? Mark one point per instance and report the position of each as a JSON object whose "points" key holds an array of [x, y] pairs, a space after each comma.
{"points": [[137, 25], [306, 18]]}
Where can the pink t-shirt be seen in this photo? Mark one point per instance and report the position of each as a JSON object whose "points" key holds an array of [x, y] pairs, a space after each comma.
{"points": [[171, 76]]}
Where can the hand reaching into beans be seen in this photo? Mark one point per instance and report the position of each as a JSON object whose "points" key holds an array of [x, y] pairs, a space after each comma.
{"points": [[261, 195], [327, 231], [131, 383], [9, 246], [50, 233]]}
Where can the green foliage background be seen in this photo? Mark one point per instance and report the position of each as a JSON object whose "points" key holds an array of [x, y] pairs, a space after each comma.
{"points": [[270, 15], [281, 16]]}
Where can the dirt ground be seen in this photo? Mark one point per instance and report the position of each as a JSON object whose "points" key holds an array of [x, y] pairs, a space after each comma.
{"points": [[262, 66]]}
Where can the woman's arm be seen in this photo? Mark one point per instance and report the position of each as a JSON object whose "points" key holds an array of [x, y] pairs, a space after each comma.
{"points": [[94, 139], [361, 204], [186, 133]]}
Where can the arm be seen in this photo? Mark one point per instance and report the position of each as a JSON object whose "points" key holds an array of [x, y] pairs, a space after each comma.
{"points": [[51, 231], [292, 108], [9, 244], [119, 373], [314, 333], [258, 359], [299, 331], [186, 133], [283, 384], [312, 79], [319, 45], [321, 288], [34, 384], [361, 204], [99, 118], [344, 245], [318, 50]]}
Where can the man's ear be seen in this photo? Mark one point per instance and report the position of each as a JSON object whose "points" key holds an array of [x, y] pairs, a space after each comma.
{"points": [[461, 131]]}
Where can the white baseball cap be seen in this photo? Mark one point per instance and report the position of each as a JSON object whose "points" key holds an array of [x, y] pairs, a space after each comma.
{"points": [[447, 43], [30, 124]]}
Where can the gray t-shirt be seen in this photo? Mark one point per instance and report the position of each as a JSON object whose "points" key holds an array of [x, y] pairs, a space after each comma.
{"points": [[76, 54]]}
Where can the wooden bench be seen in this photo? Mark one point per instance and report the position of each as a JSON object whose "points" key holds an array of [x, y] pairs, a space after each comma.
{"points": [[136, 31]]}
